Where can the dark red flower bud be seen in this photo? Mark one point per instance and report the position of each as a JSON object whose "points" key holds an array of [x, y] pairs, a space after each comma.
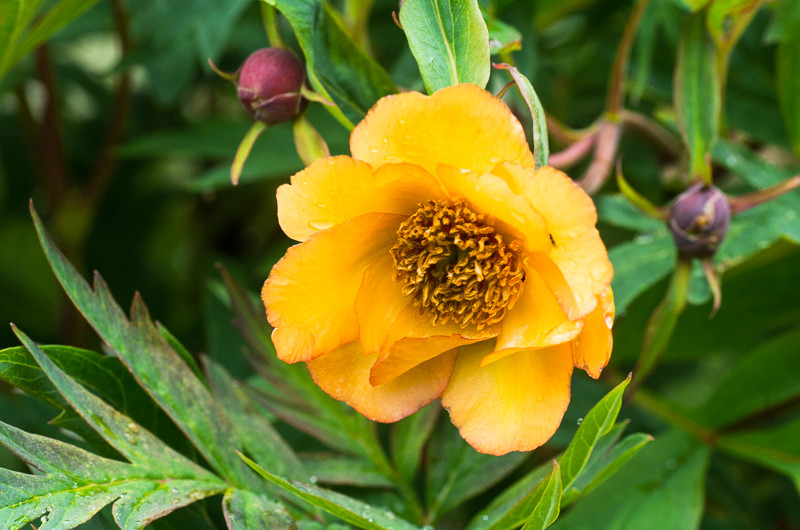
{"points": [[699, 219], [269, 85]]}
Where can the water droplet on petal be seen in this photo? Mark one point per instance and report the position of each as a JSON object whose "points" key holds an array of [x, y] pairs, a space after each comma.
{"points": [[320, 225]]}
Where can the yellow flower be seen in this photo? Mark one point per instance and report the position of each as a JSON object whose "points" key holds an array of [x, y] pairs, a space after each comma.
{"points": [[436, 262]]}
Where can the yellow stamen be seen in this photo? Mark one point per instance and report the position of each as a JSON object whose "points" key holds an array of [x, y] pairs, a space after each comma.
{"points": [[456, 266]]}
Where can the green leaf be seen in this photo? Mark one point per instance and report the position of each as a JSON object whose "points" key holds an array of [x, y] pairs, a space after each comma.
{"points": [[345, 508], [661, 487], [338, 69], [344, 471], [618, 211], [449, 40], [158, 368], [175, 37], [75, 485], [408, 439], [131, 440], [777, 449], [245, 510], [548, 507], [765, 378], [17, 39], [597, 422], [788, 84], [639, 264], [541, 148], [51, 22], [697, 94], [252, 427], [603, 464], [456, 472], [105, 376]]}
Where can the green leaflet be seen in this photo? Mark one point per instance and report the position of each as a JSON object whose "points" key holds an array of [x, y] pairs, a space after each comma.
{"points": [[546, 510], [449, 40], [77, 484], [345, 508], [161, 371]]}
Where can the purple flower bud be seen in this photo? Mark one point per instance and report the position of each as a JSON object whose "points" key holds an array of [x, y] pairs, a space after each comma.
{"points": [[699, 219], [269, 85]]}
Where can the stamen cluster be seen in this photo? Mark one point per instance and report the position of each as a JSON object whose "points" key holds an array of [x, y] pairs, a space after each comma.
{"points": [[456, 266]]}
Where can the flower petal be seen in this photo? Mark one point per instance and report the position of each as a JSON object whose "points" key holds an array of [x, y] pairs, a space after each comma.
{"points": [[333, 190], [344, 375], [514, 404], [379, 301], [536, 321], [591, 349], [310, 293], [461, 126], [578, 250], [414, 338], [492, 196]]}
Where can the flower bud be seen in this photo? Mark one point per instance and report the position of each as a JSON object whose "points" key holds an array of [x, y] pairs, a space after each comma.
{"points": [[699, 219], [269, 85]]}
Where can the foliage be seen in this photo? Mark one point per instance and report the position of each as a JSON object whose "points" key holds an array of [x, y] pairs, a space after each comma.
{"points": [[124, 138]]}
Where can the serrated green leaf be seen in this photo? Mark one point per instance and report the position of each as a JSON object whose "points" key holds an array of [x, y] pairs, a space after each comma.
{"points": [[338, 69], [253, 429], [547, 509], [76, 484], [345, 508], [639, 264], [697, 94], [599, 420], [449, 40], [788, 84], [160, 370], [105, 376], [408, 439], [131, 440], [661, 487]]}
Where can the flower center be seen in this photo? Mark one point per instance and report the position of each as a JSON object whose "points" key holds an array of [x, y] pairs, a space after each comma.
{"points": [[455, 266]]}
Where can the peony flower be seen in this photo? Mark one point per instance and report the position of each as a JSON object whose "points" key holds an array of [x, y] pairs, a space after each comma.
{"points": [[436, 262]]}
